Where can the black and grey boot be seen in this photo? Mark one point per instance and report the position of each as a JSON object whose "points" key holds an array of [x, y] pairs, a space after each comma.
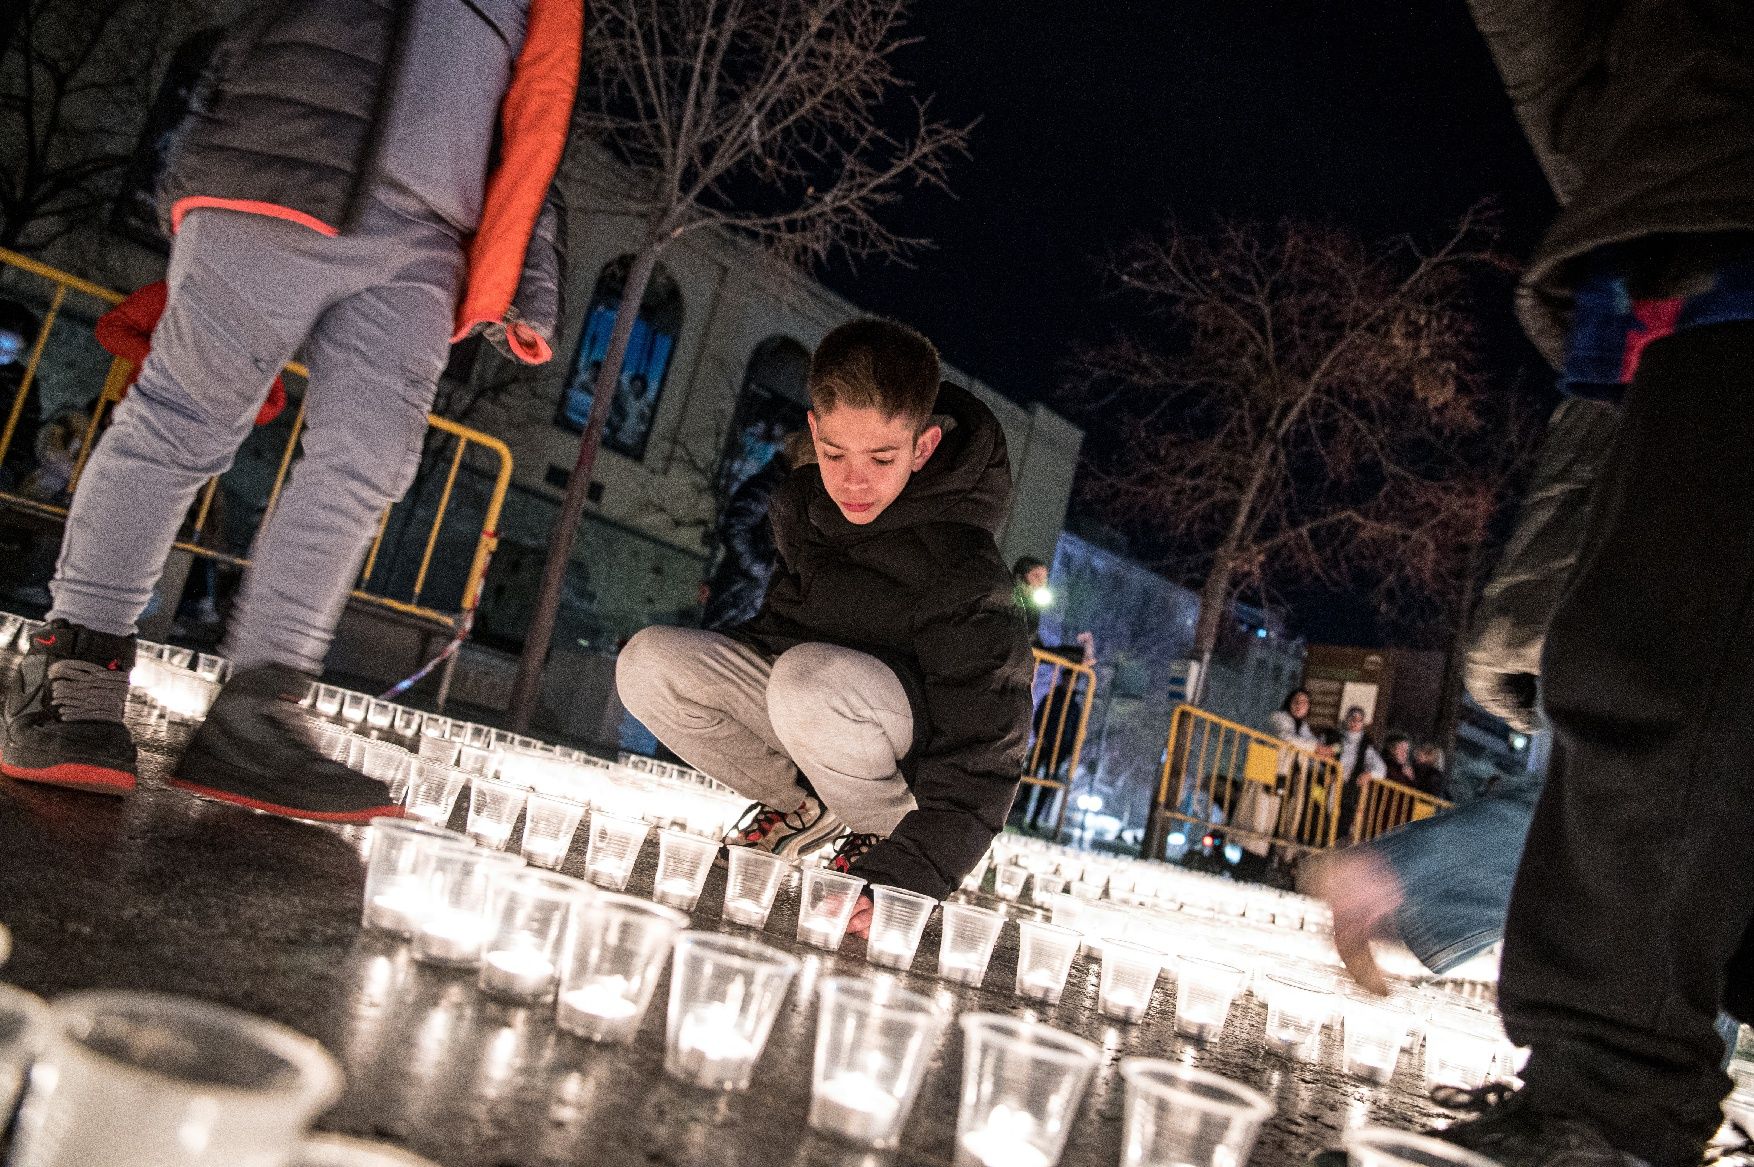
{"points": [[65, 711], [1512, 1133], [252, 751]]}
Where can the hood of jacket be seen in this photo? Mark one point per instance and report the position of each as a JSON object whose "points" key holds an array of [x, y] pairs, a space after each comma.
{"points": [[967, 480]]}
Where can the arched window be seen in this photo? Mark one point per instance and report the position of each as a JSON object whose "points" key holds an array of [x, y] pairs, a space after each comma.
{"points": [[642, 374], [772, 404]]}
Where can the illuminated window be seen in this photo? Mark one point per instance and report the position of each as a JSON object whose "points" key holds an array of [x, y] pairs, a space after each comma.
{"points": [[649, 349]]}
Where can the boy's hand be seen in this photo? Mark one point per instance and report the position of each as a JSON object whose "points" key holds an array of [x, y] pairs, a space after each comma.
{"points": [[860, 924]]}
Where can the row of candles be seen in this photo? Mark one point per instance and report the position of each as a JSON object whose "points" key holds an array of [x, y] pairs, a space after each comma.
{"points": [[534, 936]]}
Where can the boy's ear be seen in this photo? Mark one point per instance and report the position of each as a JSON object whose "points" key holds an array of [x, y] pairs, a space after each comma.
{"points": [[810, 416], [926, 444]]}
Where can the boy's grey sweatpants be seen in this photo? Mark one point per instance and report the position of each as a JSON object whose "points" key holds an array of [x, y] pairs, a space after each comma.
{"points": [[836, 714], [374, 310]]}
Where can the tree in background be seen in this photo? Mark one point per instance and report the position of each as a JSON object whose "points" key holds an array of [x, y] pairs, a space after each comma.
{"points": [[774, 120], [77, 78], [1306, 410]]}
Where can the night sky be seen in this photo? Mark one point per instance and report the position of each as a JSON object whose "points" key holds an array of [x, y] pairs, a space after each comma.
{"points": [[1100, 120]]}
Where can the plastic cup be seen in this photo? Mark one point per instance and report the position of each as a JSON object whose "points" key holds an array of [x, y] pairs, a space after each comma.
{"points": [[386, 762], [340, 1151], [1044, 960], [1191, 1118], [493, 809], [615, 951], [725, 993], [435, 747], [550, 822], [332, 741], [1008, 880], [24, 1026], [459, 880], [1204, 990], [614, 848], [1129, 976], [475, 761], [898, 918], [1456, 1055], [1375, 1146], [965, 945], [432, 792], [828, 903], [132, 1078], [527, 915], [395, 883], [1296, 1012], [874, 1042], [1374, 1035], [751, 882], [684, 860], [1022, 1083]]}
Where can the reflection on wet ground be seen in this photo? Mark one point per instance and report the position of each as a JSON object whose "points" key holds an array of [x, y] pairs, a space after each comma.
{"points": [[165, 892]]}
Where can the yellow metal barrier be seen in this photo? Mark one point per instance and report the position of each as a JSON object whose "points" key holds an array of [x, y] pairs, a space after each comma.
{"points": [[60, 285], [1387, 805], [1071, 692], [1271, 795]]}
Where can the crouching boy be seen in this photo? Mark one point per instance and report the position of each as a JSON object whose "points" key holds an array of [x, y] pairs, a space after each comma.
{"points": [[880, 698]]}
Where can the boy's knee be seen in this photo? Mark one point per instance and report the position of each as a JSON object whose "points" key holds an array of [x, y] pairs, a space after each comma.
{"points": [[639, 667]]}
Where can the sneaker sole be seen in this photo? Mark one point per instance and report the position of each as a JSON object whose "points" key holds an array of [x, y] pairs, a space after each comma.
{"points": [[365, 814], [75, 776], [794, 847]]}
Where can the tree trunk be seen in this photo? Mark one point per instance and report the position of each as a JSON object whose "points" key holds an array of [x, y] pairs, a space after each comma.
{"points": [[1214, 603], [527, 689]]}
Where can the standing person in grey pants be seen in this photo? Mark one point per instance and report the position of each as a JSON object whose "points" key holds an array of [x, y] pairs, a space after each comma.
{"points": [[334, 188], [882, 693]]}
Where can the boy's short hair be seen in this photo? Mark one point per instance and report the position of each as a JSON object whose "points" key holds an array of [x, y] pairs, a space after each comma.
{"points": [[873, 363]]}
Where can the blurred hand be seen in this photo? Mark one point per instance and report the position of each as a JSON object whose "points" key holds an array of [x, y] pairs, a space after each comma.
{"points": [[1089, 643]]}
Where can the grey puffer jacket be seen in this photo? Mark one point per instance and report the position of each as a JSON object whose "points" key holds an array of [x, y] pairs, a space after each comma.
{"points": [[1640, 113], [289, 122]]}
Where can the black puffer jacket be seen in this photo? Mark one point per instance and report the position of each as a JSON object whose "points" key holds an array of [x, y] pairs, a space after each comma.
{"points": [[922, 588], [1640, 113]]}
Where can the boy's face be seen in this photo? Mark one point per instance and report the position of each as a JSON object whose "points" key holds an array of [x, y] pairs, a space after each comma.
{"points": [[867, 458]]}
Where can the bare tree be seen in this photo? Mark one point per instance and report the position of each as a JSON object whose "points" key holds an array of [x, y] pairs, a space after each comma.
{"points": [[76, 81], [1309, 410], [772, 119]]}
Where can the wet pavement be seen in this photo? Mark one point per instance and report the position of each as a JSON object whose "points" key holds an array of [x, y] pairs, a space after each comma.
{"points": [[165, 892]]}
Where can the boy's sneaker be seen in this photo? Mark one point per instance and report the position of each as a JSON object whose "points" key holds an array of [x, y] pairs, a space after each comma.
{"points": [[788, 835], [65, 711], [1512, 1133], [850, 848], [252, 751]]}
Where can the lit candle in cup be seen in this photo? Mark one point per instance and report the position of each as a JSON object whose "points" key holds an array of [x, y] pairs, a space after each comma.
{"points": [[1004, 1141], [450, 937], [710, 1050], [397, 910], [855, 1106], [600, 1008], [822, 931], [676, 892], [517, 973], [1040, 983], [750, 913]]}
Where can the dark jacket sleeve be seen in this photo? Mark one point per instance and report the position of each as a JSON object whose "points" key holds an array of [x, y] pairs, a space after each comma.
{"points": [[1502, 661], [974, 660]]}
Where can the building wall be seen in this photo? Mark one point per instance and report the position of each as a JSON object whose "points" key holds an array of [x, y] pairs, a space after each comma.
{"points": [[656, 511]]}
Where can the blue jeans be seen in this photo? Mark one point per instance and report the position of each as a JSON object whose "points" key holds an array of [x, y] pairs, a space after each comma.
{"points": [[1456, 870]]}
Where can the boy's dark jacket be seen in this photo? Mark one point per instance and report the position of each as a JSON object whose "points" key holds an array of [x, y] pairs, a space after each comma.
{"points": [[922, 588]]}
